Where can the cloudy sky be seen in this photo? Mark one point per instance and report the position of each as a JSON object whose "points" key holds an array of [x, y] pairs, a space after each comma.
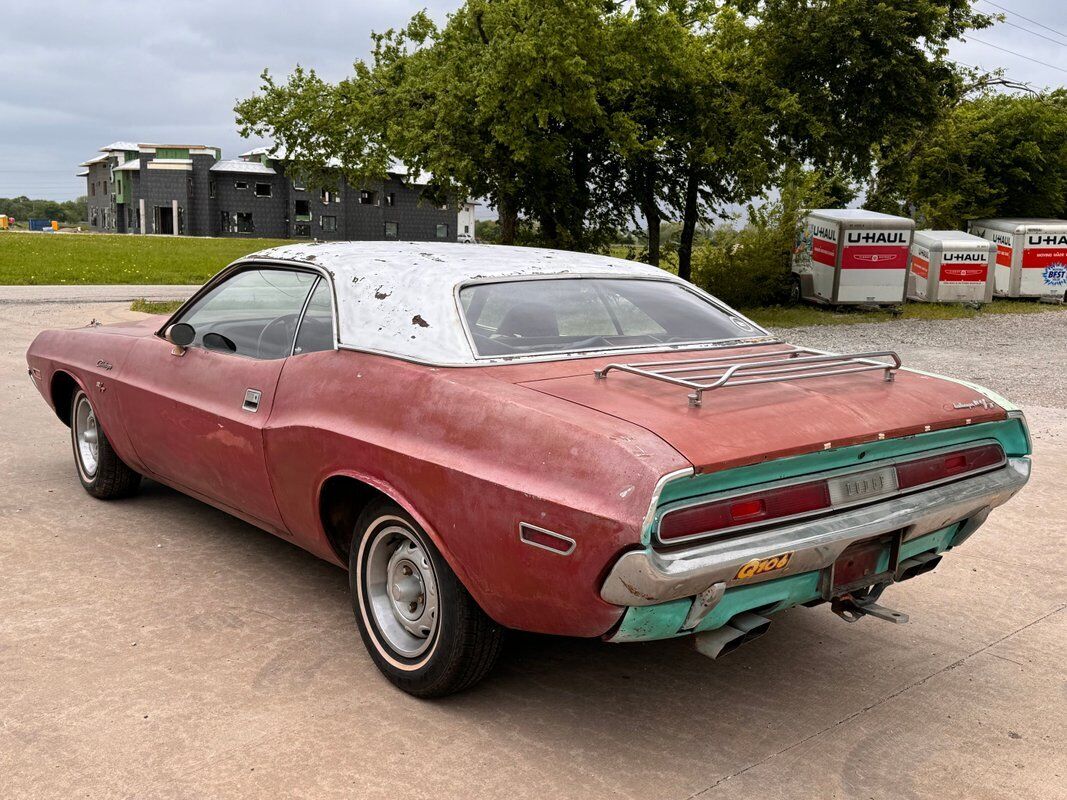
{"points": [[81, 74]]}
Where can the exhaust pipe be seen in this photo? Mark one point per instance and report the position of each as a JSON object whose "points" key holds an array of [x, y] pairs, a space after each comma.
{"points": [[917, 565], [742, 628]]}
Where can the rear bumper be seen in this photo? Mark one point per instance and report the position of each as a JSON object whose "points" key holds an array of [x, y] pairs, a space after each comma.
{"points": [[647, 577]]}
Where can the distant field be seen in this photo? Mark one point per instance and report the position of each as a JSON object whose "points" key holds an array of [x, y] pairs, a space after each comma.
{"points": [[54, 258]]}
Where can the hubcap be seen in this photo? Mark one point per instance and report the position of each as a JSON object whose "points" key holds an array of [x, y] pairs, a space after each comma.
{"points": [[87, 436], [402, 590]]}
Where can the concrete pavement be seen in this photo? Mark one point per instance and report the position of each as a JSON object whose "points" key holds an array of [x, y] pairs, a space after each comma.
{"points": [[157, 648]]}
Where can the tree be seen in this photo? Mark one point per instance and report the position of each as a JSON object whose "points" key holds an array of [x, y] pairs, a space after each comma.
{"points": [[994, 155], [576, 114]]}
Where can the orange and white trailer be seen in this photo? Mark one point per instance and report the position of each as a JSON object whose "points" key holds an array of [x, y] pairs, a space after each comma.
{"points": [[950, 267], [852, 256], [1031, 256]]}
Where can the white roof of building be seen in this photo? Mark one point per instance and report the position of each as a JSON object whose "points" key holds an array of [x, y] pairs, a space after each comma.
{"points": [[95, 160], [253, 167], [83, 174], [400, 298], [130, 166], [395, 167], [121, 146]]}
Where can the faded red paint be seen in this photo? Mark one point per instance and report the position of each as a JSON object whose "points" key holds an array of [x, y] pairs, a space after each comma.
{"points": [[470, 452]]}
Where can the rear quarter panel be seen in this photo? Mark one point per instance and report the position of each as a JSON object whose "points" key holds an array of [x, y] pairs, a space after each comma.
{"points": [[471, 456]]}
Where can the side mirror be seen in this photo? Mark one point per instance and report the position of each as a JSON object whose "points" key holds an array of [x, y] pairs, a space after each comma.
{"points": [[181, 335]]}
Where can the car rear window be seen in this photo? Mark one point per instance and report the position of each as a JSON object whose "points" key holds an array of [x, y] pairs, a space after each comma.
{"points": [[573, 314]]}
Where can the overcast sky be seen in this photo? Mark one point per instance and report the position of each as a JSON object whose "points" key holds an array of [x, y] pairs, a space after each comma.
{"points": [[79, 75]]}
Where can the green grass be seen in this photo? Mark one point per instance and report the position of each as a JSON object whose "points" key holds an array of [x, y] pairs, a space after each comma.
{"points": [[798, 316], [43, 258], [155, 306]]}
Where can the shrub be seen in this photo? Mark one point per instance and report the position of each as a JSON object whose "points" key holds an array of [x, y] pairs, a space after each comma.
{"points": [[749, 266]]}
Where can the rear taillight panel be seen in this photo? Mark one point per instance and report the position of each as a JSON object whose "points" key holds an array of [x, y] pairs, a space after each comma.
{"points": [[809, 498], [946, 466]]}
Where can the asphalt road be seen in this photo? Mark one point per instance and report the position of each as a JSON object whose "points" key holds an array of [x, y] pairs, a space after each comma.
{"points": [[156, 648]]}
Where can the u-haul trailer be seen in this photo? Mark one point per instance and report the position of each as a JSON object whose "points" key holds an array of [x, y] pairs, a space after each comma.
{"points": [[852, 256], [1031, 256], [950, 267]]}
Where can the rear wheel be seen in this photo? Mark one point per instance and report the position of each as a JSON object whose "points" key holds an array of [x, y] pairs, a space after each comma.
{"points": [[420, 625], [103, 474]]}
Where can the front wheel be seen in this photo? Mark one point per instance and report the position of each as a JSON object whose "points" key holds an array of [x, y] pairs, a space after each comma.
{"points": [[103, 474], [420, 625]]}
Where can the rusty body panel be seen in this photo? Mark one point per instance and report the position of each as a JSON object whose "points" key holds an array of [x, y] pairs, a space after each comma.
{"points": [[473, 450], [749, 424]]}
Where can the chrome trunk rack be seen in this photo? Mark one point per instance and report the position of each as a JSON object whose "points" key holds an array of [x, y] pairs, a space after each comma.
{"points": [[722, 372]]}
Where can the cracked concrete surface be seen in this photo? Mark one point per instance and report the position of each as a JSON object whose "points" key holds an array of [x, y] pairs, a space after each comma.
{"points": [[156, 648]]}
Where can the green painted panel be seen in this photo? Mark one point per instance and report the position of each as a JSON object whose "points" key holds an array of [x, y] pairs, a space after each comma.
{"points": [[172, 152], [1011, 434], [664, 621]]}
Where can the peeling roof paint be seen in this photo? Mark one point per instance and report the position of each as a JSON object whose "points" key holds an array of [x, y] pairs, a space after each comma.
{"points": [[399, 298]]}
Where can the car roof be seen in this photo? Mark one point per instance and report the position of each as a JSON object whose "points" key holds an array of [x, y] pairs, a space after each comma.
{"points": [[399, 298]]}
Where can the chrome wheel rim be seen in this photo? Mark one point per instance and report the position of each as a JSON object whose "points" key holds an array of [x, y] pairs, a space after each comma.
{"points": [[402, 590], [86, 437]]}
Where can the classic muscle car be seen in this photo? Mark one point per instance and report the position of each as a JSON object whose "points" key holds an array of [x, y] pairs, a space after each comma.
{"points": [[492, 437]]}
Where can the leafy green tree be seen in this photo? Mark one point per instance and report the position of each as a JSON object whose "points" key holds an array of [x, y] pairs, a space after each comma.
{"points": [[992, 156]]}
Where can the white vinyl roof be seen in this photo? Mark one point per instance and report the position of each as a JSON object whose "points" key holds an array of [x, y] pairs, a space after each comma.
{"points": [[132, 165], [399, 298]]}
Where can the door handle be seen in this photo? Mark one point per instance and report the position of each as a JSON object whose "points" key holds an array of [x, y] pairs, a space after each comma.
{"points": [[251, 400]]}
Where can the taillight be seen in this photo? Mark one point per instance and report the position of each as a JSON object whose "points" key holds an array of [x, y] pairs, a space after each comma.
{"points": [[785, 501], [813, 496], [947, 465]]}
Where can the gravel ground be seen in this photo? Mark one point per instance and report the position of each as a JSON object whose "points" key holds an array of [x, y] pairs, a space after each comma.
{"points": [[1021, 356]]}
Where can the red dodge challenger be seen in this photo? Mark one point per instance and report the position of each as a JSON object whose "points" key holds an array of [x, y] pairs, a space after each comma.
{"points": [[496, 437]]}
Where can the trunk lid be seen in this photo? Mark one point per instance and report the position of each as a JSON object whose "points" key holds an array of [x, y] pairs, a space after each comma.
{"points": [[748, 424]]}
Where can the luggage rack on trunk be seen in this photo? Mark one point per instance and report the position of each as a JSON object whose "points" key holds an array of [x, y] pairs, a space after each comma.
{"points": [[721, 372]]}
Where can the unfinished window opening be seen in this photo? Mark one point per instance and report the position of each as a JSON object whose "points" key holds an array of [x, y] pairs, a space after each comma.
{"points": [[302, 230], [302, 210], [225, 222], [392, 230], [212, 189], [442, 231], [244, 222], [368, 198], [328, 223], [240, 185], [390, 199], [263, 190]]}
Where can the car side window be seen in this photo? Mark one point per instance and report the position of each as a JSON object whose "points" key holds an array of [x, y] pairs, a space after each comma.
{"points": [[255, 313], [316, 329]]}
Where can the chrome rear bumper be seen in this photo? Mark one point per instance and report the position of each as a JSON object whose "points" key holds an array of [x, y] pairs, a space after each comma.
{"points": [[647, 577]]}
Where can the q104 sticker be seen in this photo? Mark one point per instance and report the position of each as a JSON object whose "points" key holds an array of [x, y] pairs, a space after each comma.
{"points": [[1055, 274]]}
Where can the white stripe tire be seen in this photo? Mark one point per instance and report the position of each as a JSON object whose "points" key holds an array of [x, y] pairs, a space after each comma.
{"points": [[102, 473], [422, 628]]}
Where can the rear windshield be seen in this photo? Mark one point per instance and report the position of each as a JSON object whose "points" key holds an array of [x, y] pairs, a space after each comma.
{"points": [[568, 314]]}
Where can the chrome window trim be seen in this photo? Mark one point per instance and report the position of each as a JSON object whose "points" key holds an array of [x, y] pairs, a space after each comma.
{"points": [[758, 332], [261, 263], [304, 311], [797, 480]]}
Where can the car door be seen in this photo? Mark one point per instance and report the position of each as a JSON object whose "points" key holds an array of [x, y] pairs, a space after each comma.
{"points": [[196, 415]]}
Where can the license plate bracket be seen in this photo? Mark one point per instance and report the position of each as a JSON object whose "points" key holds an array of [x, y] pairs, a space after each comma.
{"points": [[857, 566]]}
